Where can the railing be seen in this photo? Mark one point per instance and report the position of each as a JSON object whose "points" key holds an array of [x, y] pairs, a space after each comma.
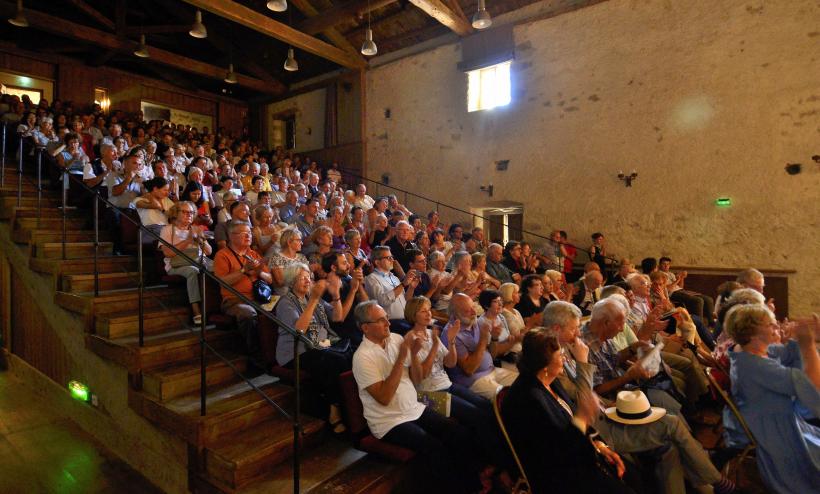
{"points": [[205, 275], [433, 204]]}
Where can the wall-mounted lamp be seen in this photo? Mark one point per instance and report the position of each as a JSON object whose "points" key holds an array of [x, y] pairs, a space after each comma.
{"points": [[627, 179], [487, 188]]}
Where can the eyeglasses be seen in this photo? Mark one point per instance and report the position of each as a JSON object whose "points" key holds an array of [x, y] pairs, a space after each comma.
{"points": [[187, 211], [381, 320], [240, 233], [389, 258]]}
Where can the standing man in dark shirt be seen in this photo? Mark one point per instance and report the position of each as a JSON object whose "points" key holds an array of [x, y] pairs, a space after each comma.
{"points": [[402, 243]]}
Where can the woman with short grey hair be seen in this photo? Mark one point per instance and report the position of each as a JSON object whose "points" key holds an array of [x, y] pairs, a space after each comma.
{"points": [[303, 309]]}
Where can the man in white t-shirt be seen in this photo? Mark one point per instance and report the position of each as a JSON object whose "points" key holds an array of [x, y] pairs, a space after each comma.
{"points": [[381, 366]]}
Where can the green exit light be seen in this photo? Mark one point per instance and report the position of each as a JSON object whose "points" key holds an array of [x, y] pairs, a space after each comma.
{"points": [[79, 391], [723, 201]]}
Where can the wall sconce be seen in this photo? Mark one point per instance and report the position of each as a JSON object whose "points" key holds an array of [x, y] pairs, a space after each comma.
{"points": [[487, 188], [627, 179]]}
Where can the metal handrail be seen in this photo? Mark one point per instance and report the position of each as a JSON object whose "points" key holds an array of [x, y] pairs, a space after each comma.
{"points": [[474, 215], [298, 337]]}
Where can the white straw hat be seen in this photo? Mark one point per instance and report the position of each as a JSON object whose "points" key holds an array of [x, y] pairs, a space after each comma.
{"points": [[632, 408]]}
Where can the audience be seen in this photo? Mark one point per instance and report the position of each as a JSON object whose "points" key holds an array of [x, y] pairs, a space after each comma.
{"points": [[192, 185]]}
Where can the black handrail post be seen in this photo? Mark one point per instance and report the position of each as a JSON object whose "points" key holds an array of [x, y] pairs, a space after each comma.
{"points": [[140, 286], [39, 185], [20, 174], [203, 383], [65, 207], [3, 169], [96, 245], [297, 427]]}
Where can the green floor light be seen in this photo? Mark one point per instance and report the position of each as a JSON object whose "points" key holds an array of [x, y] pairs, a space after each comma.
{"points": [[723, 201], [79, 391]]}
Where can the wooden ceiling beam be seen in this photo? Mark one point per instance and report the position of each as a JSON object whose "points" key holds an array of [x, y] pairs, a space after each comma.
{"points": [[331, 33], [62, 27], [442, 13], [252, 19], [348, 12], [166, 29], [94, 13]]}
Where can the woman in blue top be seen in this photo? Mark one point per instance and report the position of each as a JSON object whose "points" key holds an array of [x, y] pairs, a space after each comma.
{"points": [[770, 393]]}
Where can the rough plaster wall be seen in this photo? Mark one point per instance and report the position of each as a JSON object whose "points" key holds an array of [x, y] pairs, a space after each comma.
{"points": [[704, 99], [310, 118]]}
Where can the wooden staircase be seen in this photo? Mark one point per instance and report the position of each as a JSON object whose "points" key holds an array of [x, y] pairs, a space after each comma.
{"points": [[242, 443]]}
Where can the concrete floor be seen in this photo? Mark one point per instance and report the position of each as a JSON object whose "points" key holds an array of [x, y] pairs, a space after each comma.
{"points": [[44, 452]]}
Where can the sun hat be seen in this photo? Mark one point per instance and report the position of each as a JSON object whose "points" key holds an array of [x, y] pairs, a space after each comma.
{"points": [[632, 408]]}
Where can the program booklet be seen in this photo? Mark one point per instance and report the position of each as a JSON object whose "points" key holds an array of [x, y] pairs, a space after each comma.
{"points": [[438, 401]]}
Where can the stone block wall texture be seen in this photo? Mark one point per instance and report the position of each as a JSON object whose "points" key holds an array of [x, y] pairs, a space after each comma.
{"points": [[703, 99], [310, 118]]}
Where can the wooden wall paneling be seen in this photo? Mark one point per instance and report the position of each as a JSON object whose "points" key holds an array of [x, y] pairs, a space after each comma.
{"points": [[33, 339], [26, 65], [232, 116]]}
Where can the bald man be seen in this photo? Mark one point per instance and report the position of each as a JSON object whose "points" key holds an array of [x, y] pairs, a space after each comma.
{"points": [[588, 291]]}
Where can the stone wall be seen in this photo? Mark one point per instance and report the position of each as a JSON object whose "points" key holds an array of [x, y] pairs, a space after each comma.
{"points": [[309, 109], [704, 99]]}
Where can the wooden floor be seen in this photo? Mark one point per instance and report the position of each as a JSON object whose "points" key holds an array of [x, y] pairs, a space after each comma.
{"points": [[43, 452]]}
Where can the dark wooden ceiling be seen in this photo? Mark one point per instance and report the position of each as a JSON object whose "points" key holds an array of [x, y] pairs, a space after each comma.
{"points": [[105, 32]]}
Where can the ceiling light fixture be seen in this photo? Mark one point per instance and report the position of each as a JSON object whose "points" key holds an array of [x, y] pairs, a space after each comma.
{"points": [[19, 18], [369, 47], [142, 51], [230, 77], [198, 30], [278, 5], [291, 65], [482, 19]]}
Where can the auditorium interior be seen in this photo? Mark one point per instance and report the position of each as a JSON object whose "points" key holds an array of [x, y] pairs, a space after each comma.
{"points": [[551, 156]]}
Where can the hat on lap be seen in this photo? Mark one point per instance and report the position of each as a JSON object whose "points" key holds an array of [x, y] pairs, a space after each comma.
{"points": [[632, 408]]}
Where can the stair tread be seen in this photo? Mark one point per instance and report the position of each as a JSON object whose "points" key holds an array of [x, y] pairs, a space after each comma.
{"points": [[250, 444], [228, 399], [148, 313], [74, 244], [87, 276], [177, 370]]}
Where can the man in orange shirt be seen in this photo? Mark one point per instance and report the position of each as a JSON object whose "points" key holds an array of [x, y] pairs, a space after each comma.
{"points": [[240, 266]]}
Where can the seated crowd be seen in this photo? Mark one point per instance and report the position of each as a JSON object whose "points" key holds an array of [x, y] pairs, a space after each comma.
{"points": [[602, 376]]}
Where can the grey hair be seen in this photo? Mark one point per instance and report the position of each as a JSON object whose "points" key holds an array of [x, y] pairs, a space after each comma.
{"points": [[287, 236], [458, 256], [362, 311], [494, 246], [351, 234], [621, 299], [554, 275], [611, 291], [559, 313], [746, 296], [378, 248], [607, 309], [634, 278], [749, 275], [234, 224], [106, 147], [291, 271]]}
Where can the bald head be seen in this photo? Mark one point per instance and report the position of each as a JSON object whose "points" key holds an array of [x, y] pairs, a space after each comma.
{"points": [[461, 308], [594, 279]]}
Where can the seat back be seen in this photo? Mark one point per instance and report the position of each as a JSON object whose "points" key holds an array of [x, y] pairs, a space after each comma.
{"points": [[354, 410], [729, 402], [523, 485]]}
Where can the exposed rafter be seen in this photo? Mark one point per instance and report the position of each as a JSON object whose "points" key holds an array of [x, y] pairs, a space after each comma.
{"points": [[347, 12], [252, 19], [331, 33], [442, 13], [62, 27], [94, 13]]}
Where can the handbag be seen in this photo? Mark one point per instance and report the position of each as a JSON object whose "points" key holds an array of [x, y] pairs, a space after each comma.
{"points": [[262, 292], [260, 289]]}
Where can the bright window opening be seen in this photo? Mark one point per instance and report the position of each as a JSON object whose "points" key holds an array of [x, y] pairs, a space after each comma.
{"points": [[489, 87]]}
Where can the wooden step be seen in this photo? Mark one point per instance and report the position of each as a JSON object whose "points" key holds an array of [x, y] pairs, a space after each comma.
{"points": [[115, 264], [7, 203], [160, 350], [155, 321], [55, 212], [76, 283], [73, 250], [249, 455], [230, 409], [22, 227], [47, 236], [121, 300], [177, 379]]}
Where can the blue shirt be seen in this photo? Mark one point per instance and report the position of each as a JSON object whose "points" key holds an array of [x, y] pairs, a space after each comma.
{"points": [[466, 343]]}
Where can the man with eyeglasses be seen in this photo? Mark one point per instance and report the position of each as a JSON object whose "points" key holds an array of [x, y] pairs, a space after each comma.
{"points": [[382, 368], [384, 287], [240, 266]]}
